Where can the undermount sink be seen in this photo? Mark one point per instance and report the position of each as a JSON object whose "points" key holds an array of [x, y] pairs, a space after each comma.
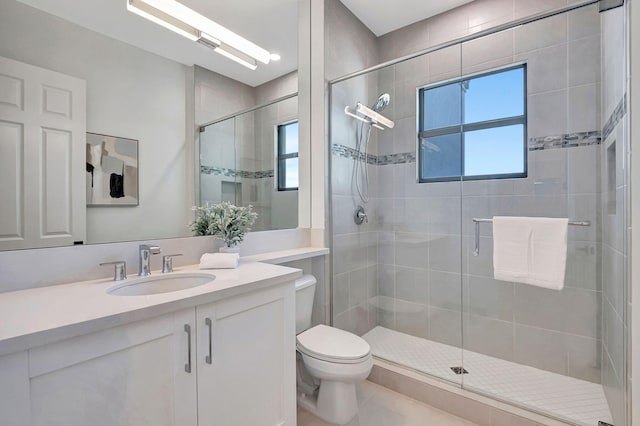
{"points": [[157, 284]]}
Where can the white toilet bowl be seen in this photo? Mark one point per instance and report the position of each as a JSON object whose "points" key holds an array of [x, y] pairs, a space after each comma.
{"points": [[338, 360]]}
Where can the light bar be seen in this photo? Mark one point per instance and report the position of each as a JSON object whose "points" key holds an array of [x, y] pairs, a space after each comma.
{"points": [[374, 116], [156, 16], [178, 12], [227, 51]]}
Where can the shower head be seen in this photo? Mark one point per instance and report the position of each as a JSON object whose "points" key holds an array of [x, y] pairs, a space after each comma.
{"points": [[382, 102]]}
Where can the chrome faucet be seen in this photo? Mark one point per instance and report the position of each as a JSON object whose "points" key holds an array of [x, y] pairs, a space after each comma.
{"points": [[145, 251]]}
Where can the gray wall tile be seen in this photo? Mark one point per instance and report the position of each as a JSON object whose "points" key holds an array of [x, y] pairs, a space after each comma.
{"points": [[488, 297], [488, 336], [570, 310]]}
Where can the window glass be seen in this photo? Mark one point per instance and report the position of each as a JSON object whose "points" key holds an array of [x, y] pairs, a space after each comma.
{"points": [[494, 96], [442, 155], [287, 169], [494, 151], [291, 173], [290, 138], [474, 128], [442, 106]]}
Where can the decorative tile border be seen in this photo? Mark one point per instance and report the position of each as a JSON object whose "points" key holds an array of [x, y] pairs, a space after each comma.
{"points": [[348, 152], [402, 158], [380, 160], [569, 140], [221, 171], [616, 116]]}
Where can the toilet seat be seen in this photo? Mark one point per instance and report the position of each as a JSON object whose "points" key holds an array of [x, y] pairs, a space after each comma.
{"points": [[333, 345]]}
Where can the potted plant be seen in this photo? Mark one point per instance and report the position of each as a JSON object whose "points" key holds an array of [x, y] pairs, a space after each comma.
{"points": [[226, 222]]}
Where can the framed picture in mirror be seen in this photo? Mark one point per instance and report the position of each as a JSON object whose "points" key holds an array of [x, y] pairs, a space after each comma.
{"points": [[112, 171]]}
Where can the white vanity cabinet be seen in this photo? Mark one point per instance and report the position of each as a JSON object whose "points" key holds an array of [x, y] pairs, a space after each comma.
{"points": [[246, 360], [230, 362], [132, 374]]}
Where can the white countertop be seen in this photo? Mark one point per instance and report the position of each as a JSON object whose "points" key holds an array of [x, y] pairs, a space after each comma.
{"points": [[42, 315], [284, 256]]}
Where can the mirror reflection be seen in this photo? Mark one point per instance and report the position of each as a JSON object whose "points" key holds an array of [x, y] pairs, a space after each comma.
{"points": [[252, 159], [70, 68]]}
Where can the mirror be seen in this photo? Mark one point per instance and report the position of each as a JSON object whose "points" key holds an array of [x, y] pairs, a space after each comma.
{"points": [[141, 83], [252, 159]]}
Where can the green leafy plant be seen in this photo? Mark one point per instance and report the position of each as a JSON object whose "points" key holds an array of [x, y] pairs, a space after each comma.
{"points": [[224, 221]]}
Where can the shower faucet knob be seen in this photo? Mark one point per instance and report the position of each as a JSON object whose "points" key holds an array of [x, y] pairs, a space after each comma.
{"points": [[360, 216]]}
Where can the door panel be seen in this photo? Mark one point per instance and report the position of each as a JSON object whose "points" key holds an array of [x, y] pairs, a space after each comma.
{"points": [[42, 142]]}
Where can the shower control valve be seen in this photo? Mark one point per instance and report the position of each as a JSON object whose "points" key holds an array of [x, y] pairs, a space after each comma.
{"points": [[360, 216]]}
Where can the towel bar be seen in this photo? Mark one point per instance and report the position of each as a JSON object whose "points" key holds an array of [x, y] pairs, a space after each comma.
{"points": [[478, 221]]}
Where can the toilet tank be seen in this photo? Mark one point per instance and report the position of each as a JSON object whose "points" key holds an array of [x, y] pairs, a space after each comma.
{"points": [[305, 290]]}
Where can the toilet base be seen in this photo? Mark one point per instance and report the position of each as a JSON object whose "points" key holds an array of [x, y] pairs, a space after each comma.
{"points": [[336, 402]]}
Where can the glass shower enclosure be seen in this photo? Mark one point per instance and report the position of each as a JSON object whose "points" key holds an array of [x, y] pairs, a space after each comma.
{"points": [[512, 123]]}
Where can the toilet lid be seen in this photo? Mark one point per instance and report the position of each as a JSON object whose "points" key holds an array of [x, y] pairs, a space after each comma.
{"points": [[328, 342]]}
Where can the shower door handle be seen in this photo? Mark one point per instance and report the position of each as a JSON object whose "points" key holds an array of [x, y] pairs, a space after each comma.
{"points": [[476, 250]]}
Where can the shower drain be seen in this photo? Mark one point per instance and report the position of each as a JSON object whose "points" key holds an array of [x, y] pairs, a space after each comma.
{"points": [[601, 423], [459, 370]]}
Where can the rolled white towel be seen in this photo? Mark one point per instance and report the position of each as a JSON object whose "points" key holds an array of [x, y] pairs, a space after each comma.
{"points": [[219, 260]]}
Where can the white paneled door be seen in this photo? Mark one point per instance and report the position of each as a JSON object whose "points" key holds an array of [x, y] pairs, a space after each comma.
{"points": [[42, 157]]}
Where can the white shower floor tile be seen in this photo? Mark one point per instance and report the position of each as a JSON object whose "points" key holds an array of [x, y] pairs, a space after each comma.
{"points": [[564, 397]]}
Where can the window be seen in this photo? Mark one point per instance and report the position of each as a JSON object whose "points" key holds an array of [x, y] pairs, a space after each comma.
{"points": [[474, 127], [288, 156]]}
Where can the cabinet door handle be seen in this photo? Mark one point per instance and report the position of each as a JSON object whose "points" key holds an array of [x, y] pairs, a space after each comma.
{"points": [[187, 366], [209, 358]]}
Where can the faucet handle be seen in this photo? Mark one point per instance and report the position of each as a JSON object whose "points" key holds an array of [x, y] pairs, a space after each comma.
{"points": [[151, 249], [167, 262], [119, 270]]}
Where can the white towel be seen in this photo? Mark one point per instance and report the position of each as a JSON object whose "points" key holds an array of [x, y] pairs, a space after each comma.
{"points": [[219, 260], [530, 250]]}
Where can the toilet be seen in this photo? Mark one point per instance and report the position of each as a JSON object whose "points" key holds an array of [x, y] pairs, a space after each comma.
{"points": [[330, 362]]}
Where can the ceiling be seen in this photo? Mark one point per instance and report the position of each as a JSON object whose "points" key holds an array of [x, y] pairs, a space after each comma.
{"points": [[383, 16], [271, 24]]}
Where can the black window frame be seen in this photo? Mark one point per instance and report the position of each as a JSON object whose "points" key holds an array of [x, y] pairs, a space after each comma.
{"points": [[463, 128], [282, 157]]}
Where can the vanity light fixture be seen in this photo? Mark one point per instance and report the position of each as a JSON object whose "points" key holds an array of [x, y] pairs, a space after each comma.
{"points": [[227, 51], [156, 16], [196, 27]]}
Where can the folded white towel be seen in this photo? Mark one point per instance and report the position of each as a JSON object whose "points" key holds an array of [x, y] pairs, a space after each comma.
{"points": [[219, 260], [530, 250]]}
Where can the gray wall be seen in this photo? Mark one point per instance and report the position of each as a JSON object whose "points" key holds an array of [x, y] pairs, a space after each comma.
{"points": [[423, 230]]}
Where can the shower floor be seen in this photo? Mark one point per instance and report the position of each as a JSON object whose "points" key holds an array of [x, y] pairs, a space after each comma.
{"points": [[564, 397]]}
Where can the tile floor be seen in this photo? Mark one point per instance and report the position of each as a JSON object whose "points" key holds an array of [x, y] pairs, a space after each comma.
{"points": [[571, 399], [382, 407]]}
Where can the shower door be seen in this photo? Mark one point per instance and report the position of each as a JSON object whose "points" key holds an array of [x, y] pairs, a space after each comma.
{"points": [[534, 149]]}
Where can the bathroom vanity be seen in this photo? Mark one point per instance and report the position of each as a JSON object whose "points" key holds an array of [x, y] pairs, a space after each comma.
{"points": [[220, 353]]}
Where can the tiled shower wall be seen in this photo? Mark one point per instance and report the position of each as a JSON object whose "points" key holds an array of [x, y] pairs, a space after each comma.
{"points": [[421, 232], [349, 47], [614, 189]]}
